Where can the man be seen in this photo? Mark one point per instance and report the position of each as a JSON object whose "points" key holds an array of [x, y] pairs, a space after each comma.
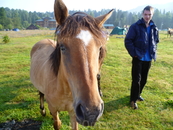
{"points": [[141, 43]]}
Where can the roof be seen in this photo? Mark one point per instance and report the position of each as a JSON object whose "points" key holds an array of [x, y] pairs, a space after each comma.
{"points": [[31, 27], [49, 19], [108, 25], [52, 20], [40, 20]]}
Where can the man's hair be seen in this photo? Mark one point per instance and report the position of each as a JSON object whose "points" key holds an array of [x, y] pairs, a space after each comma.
{"points": [[149, 8]]}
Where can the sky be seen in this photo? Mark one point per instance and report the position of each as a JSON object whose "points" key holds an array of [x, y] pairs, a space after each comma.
{"points": [[47, 5]]}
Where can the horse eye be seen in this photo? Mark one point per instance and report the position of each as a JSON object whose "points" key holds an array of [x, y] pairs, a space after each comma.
{"points": [[100, 53], [100, 48], [62, 47]]}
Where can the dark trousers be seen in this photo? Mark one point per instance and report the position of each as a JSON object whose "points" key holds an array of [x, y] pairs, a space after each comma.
{"points": [[139, 72]]}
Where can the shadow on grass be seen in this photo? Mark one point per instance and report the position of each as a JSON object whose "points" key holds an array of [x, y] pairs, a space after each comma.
{"points": [[169, 104], [26, 124], [117, 104]]}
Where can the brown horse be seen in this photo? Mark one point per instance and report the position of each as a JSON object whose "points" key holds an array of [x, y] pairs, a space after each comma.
{"points": [[67, 72], [170, 32]]}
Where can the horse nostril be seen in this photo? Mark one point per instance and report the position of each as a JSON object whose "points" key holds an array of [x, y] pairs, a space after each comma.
{"points": [[80, 112]]}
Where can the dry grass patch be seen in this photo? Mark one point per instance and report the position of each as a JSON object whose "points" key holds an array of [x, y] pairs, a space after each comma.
{"points": [[26, 33]]}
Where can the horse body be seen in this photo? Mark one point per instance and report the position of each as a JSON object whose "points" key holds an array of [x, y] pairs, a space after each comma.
{"points": [[170, 32], [66, 71]]}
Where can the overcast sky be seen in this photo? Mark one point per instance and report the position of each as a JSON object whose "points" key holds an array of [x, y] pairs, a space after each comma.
{"points": [[47, 5]]}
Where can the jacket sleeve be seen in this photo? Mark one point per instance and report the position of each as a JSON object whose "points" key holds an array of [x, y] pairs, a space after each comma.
{"points": [[129, 40], [157, 39]]}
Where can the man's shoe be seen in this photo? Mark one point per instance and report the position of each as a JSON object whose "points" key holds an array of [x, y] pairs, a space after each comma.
{"points": [[140, 98], [133, 105]]}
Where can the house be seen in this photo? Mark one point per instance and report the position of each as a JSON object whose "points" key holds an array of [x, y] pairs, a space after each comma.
{"points": [[47, 22], [32, 27], [108, 26]]}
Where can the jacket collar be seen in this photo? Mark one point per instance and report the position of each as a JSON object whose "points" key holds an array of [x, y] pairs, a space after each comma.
{"points": [[141, 21]]}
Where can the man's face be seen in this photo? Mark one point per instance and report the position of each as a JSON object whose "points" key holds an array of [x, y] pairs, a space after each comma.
{"points": [[147, 15]]}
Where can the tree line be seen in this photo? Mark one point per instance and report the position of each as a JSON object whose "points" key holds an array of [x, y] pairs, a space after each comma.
{"points": [[16, 18]]}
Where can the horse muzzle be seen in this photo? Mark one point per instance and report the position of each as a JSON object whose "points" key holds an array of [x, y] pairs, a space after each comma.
{"points": [[88, 116]]}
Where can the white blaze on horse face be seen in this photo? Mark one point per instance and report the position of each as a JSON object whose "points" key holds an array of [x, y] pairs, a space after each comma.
{"points": [[85, 36]]}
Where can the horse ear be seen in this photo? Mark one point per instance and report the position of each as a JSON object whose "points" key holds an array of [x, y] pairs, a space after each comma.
{"points": [[61, 11], [103, 18]]}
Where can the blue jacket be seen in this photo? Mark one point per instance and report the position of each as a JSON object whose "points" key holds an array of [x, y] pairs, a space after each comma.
{"points": [[137, 41]]}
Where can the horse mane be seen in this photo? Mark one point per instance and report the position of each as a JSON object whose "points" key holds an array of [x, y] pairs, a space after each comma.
{"points": [[55, 58], [70, 28]]}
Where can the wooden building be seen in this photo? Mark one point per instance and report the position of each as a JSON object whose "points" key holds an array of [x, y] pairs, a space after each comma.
{"points": [[32, 27], [47, 22]]}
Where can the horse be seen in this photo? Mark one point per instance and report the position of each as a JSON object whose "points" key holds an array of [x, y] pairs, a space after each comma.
{"points": [[170, 32], [66, 72]]}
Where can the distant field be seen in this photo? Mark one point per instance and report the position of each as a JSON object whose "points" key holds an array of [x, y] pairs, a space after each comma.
{"points": [[26, 33], [19, 99]]}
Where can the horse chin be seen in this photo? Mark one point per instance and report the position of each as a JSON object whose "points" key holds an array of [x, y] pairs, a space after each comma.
{"points": [[86, 123]]}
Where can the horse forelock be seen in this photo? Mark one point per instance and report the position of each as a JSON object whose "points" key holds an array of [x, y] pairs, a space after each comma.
{"points": [[73, 23]]}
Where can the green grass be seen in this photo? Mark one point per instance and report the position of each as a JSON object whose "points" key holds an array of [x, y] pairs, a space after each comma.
{"points": [[19, 99]]}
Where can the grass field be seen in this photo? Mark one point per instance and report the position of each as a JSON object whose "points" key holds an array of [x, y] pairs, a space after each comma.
{"points": [[19, 99]]}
